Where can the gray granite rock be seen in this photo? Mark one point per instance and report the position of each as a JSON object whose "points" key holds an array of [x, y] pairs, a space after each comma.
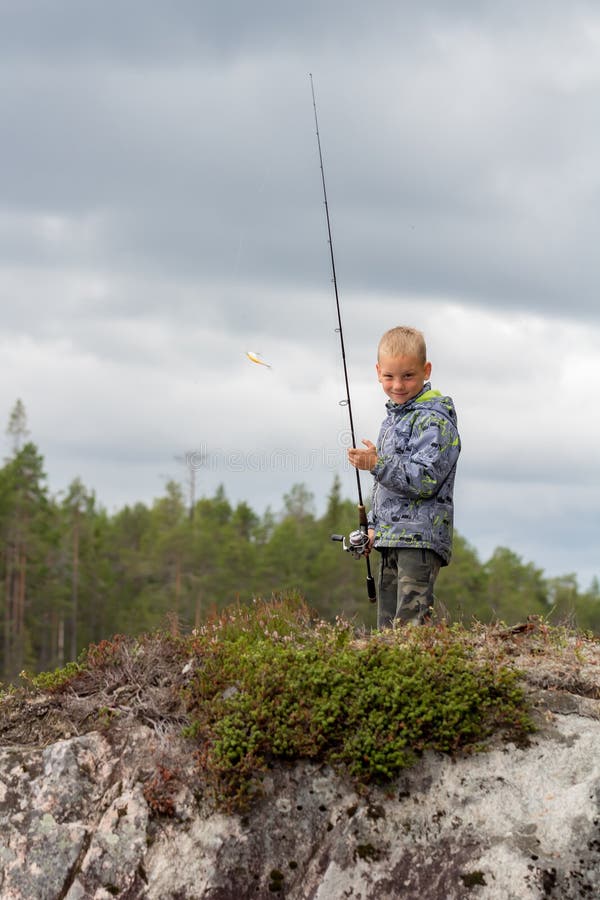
{"points": [[125, 814]]}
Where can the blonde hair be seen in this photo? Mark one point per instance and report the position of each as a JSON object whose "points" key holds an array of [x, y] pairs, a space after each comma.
{"points": [[401, 341]]}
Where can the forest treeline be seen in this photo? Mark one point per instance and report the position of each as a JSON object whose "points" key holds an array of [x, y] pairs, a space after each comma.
{"points": [[73, 574]]}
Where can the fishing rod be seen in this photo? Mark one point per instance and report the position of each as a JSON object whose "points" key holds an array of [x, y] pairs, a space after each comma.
{"points": [[357, 540]]}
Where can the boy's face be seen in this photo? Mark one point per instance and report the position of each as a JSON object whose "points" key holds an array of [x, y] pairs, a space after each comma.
{"points": [[402, 377]]}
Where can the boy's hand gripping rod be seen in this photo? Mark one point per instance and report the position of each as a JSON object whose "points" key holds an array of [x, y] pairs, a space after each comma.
{"points": [[355, 537]]}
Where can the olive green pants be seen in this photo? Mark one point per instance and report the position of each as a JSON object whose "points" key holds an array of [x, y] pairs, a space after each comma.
{"points": [[405, 590]]}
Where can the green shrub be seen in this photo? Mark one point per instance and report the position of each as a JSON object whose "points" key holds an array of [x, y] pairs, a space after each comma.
{"points": [[56, 680], [310, 690]]}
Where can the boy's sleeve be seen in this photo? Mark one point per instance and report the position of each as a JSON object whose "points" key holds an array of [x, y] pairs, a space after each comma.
{"points": [[420, 468]]}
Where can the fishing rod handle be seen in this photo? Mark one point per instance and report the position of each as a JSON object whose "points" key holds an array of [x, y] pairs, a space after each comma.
{"points": [[371, 592]]}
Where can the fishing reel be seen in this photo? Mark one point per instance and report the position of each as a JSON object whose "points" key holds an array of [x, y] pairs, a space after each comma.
{"points": [[358, 541]]}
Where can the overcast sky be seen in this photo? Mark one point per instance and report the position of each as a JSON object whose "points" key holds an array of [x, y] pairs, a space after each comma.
{"points": [[161, 213]]}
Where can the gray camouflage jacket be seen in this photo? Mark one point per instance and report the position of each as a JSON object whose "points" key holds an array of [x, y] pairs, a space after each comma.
{"points": [[417, 452]]}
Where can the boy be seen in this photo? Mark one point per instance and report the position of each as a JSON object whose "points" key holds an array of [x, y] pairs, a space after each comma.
{"points": [[413, 464]]}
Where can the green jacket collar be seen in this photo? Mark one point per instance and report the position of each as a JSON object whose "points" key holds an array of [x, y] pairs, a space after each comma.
{"points": [[427, 393]]}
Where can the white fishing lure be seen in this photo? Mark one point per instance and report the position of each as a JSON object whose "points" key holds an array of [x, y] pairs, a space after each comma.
{"points": [[255, 358]]}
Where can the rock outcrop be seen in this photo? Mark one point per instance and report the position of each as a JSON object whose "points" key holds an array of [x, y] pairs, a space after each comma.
{"points": [[125, 812]]}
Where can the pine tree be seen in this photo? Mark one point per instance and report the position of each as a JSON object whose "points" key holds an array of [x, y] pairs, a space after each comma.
{"points": [[17, 426], [23, 530]]}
